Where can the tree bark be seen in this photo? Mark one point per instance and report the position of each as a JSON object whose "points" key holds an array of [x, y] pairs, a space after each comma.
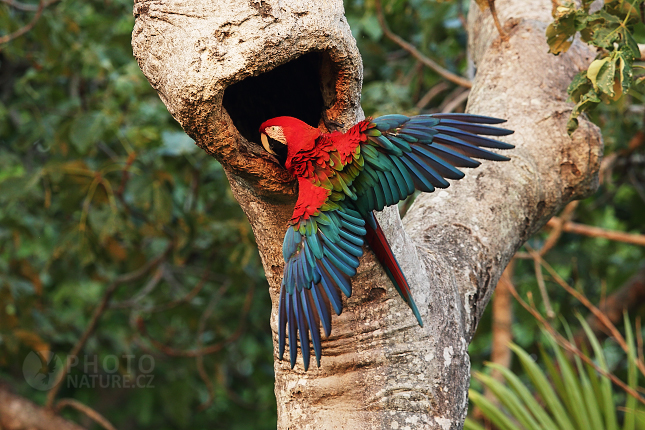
{"points": [[18, 413], [223, 67]]}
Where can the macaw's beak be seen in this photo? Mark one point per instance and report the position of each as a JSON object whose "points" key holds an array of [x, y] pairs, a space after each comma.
{"points": [[265, 143]]}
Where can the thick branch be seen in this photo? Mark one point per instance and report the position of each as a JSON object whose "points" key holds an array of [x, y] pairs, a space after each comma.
{"points": [[18, 413], [479, 222]]}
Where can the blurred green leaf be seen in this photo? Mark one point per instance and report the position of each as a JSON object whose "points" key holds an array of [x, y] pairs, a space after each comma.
{"points": [[608, 405], [86, 130], [176, 143], [491, 411], [583, 403]]}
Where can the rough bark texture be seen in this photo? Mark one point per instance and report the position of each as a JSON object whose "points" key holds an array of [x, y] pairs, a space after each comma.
{"points": [[18, 413], [379, 368]]}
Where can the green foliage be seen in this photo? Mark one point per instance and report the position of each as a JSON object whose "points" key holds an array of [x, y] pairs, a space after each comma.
{"points": [[393, 80], [565, 396], [96, 180], [610, 29]]}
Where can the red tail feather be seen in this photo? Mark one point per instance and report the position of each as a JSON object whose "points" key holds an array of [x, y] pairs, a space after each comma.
{"points": [[378, 242]]}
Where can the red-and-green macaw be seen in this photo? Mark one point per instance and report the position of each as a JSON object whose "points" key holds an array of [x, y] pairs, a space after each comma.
{"points": [[342, 179]]}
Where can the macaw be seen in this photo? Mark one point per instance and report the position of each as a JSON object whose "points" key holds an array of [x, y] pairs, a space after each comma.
{"points": [[342, 179]]}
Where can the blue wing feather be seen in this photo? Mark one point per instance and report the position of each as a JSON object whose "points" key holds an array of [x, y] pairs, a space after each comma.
{"points": [[442, 167], [468, 117], [429, 173], [321, 255], [452, 157], [330, 289], [468, 149], [311, 323], [476, 128], [340, 279], [420, 181], [474, 138], [282, 323], [351, 238], [321, 306], [291, 318], [302, 329]]}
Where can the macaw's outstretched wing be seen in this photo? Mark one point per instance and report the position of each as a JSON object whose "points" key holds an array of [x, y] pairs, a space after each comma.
{"points": [[403, 153], [321, 255]]}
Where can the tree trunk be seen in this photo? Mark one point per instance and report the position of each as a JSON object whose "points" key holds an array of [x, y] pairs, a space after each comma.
{"points": [[223, 67]]}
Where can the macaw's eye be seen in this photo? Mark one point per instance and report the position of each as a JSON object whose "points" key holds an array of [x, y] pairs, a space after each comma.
{"points": [[275, 132]]}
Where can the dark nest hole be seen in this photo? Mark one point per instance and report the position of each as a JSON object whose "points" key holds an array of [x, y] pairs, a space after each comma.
{"points": [[296, 89]]}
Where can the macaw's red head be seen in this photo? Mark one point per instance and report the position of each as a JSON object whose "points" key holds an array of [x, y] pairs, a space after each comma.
{"points": [[295, 134]]}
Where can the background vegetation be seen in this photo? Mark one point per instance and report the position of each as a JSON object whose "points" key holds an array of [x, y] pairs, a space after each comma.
{"points": [[120, 237]]}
